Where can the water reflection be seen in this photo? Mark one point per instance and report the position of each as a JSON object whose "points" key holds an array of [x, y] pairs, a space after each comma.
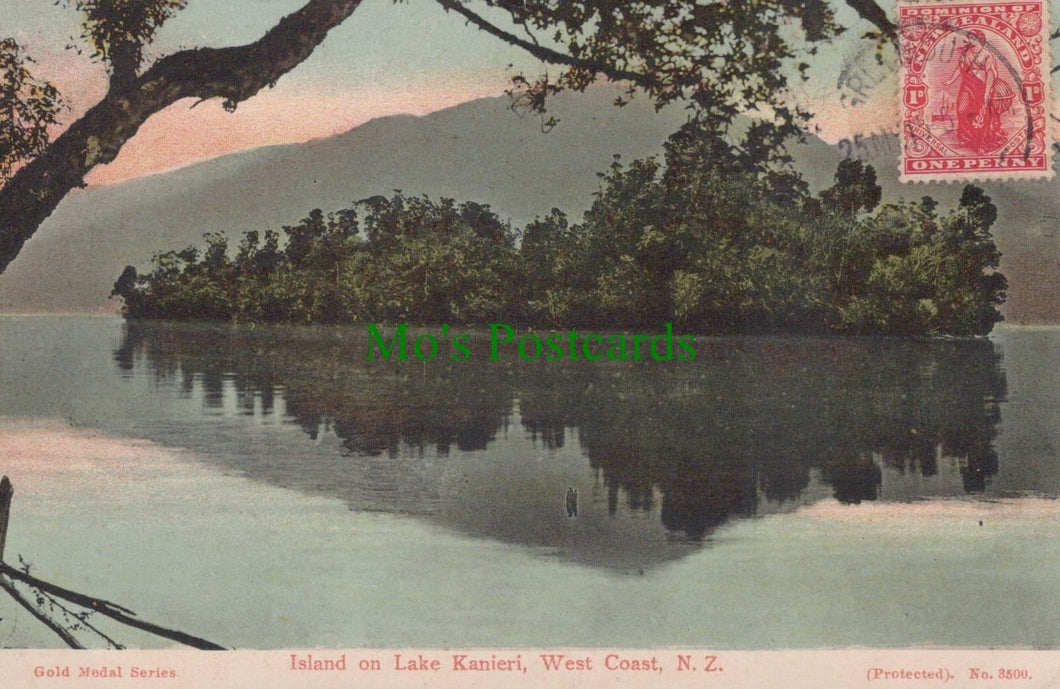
{"points": [[674, 450], [757, 417]]}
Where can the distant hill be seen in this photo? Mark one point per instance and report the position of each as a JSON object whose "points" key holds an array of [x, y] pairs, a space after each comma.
{"points": [[477, 151]]}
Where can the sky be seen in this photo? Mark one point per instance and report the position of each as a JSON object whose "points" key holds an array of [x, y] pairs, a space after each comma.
{"points": [[386, 59], [410, 57]]}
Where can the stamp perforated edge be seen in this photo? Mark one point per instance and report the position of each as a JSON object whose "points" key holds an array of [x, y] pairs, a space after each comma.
{"points": [[965, 176]]}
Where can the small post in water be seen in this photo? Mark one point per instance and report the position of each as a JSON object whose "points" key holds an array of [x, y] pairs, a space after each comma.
{"points": [[6, 491]]}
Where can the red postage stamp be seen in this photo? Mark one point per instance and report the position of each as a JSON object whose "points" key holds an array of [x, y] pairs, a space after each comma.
{"points": [[975, 90]]}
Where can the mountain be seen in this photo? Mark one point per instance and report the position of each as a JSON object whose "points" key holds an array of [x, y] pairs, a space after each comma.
{"points": [[480, 151]]}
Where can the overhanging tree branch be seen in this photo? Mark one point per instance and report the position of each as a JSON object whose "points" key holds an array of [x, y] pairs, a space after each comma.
{"points": [[872, 12], [726, 57], [233, 74], [545, 54]]}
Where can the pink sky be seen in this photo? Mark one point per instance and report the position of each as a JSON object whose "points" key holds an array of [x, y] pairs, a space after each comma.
{"points": [[389, 58], [190, 132], [182, 135], [311, 103], [407, 58]]}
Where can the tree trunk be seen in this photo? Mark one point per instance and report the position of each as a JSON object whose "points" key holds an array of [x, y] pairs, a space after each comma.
{"points": [[6, 493], [234, 74]]}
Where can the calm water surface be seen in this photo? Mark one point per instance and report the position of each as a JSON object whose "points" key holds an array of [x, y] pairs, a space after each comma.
{"points": [[270, 488]]}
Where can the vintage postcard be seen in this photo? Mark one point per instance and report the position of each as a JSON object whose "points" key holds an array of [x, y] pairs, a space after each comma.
{"points": [[467, 342]]}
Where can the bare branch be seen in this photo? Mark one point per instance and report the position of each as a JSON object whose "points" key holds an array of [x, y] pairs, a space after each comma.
{"points": [[82, 619], [51, 624], [546, 54], [109, 609], [238, 73], [872, 12]]}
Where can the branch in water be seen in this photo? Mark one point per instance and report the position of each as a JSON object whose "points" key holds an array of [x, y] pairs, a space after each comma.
{"points": [[109, 609]]}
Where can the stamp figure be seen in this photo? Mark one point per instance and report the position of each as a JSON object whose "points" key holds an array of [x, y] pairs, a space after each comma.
{"points": [[974, 91], [983, 97]]}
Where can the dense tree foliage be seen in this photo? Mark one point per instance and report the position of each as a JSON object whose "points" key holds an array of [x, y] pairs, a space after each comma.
{"points": [[28, 107], [713, 247], [723, 59], [385, 259], [697, 240]]}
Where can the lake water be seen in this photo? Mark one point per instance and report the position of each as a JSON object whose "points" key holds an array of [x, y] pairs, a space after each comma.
{"points": [[269, 488]]}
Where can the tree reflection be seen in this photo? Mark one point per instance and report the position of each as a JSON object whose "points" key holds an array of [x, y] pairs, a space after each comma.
{"points": [[751, 422]]}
